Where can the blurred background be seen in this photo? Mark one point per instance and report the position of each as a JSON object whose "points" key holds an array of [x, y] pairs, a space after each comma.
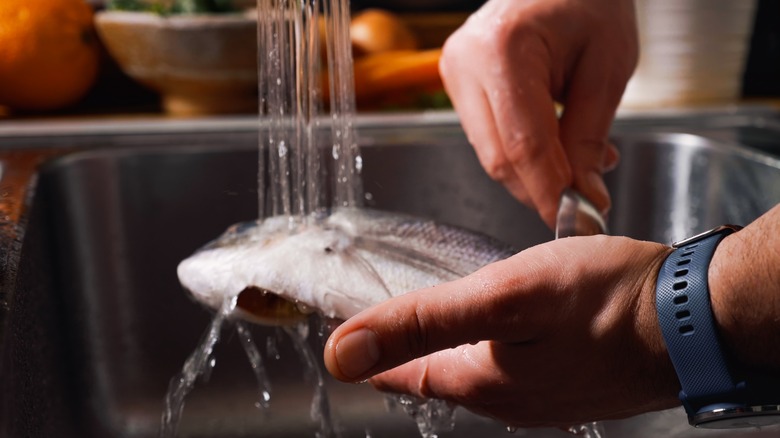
{"points": [[65, 59]]}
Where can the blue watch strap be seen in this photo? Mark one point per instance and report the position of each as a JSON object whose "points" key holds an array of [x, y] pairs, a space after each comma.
{"points": [[689, 329]]}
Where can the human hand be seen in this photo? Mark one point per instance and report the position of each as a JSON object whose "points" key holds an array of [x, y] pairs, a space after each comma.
{"points": [[562, 333], [505, 68]]}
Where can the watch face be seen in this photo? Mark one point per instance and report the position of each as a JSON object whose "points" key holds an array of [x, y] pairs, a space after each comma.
{"points": [[754, 416]]}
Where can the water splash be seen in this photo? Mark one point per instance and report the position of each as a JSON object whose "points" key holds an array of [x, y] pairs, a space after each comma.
{"points": [[320, 405], [588, 430], [200, 362], [432, 416]]}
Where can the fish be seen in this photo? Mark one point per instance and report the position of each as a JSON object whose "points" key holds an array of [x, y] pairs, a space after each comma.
{"points": [[337, 263]]}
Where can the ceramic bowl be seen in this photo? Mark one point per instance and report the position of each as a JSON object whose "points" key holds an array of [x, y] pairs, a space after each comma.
{"points": [[200, 64], [692, 52]]}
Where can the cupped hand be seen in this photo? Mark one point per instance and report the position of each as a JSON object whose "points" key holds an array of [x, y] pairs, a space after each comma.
{"points": [[561, 333], [505, 68]]}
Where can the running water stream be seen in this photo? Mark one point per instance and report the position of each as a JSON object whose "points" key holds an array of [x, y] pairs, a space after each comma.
{"points": [[297, 174], [200, 363], [305, 172]]}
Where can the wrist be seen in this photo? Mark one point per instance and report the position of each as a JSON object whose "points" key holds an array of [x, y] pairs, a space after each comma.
{"points": [[719, 388], [745, 302], [663, 377]]}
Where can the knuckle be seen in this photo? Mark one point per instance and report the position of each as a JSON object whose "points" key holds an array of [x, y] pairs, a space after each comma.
{"points": [[500, 40], [416, 335], [496, 169], [424, 387], [449, 55], [493, 161], [523, 150]]}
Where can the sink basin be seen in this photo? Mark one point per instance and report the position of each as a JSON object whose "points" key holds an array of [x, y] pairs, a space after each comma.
{"points": [[96, 323]]}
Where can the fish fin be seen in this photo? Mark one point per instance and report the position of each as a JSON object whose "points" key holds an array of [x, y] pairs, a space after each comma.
{"points": [[353, 264], [411, 257], [368, 269]]}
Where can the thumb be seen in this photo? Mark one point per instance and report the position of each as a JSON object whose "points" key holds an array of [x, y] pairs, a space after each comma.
{"points": [[422, 322]]}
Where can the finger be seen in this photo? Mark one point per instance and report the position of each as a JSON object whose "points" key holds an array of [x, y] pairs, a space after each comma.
{"points": [[611, 158], [528, 129], [480, 128], [429, 320], [590, 106], [491, 379], [471, 103], [446, 375]]}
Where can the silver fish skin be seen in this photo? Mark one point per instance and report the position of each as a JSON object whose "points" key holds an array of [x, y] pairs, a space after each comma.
{"points": [[338, 263]]}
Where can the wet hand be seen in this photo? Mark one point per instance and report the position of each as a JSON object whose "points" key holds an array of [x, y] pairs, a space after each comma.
{"points": [[505, 68], [559, 334]]}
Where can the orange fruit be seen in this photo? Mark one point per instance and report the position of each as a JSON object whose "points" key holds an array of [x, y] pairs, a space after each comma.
{"points": [[375, 31], [49, 54]]}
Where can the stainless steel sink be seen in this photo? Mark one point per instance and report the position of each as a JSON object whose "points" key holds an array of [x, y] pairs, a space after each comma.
{"points": [[96, 323]]}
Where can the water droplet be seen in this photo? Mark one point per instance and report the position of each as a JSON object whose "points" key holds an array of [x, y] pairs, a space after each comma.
{"points": [[511, 429], [271, 347], [359, 163], [369, 196], [282, 149], [303, 330]]}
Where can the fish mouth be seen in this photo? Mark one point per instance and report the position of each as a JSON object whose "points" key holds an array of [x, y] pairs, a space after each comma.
{"points": [[265, 307]]}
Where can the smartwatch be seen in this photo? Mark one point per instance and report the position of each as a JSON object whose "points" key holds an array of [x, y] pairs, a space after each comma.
{"points": [[715, 394]]}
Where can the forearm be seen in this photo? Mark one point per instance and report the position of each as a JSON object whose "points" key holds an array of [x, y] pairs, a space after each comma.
{"points": [[744, 280]]}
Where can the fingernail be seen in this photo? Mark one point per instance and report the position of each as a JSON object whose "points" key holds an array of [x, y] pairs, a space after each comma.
{"points": [[357, 353]]}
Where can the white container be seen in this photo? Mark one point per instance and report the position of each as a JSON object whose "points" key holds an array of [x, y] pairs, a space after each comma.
{"points": [[692, 52]]}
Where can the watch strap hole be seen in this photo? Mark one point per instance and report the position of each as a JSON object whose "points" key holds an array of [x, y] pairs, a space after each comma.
{"points": [[680, 285], [682, 315], [686, 330], [683, 262], [681, 273], [680, 299]]}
